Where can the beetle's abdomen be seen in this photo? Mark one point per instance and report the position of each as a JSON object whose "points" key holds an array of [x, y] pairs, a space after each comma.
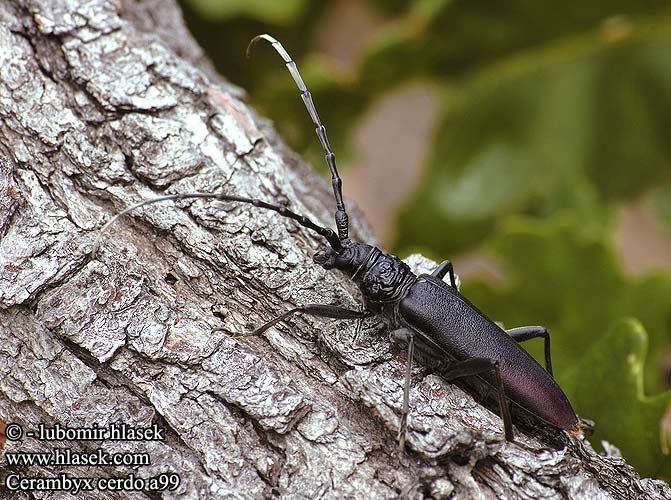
{"points": [[446, 318]]}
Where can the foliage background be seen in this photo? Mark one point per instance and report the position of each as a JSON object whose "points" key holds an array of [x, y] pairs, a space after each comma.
{"points": [[543, 165]]}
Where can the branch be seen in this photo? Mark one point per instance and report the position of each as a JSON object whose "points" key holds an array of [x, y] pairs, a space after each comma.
{"points": [[107, 104]]}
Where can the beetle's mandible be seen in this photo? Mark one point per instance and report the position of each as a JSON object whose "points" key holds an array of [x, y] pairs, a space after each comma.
{"points": [[424, 314]]}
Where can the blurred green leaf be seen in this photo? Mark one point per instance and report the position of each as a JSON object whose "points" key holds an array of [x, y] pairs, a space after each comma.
{"points": [[447, 38], [519, 136], [272, 11], [444, 39], [662, 204], [606, 385]]}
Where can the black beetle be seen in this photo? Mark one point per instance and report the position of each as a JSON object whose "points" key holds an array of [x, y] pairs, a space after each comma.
{"points": [[438, 325]]}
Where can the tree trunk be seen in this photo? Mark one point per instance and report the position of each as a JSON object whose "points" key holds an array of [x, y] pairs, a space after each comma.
{"points": [[105, 104]]}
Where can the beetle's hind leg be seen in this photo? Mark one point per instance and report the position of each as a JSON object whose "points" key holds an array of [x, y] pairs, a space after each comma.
{"points": [[318, 310], [405, 336], [523, 333], [478, 366]]}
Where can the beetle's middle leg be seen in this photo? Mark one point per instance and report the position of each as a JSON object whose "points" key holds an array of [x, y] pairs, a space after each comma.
{"points": [[405, 336], [318, 310], [523, 333], [478, 366]]}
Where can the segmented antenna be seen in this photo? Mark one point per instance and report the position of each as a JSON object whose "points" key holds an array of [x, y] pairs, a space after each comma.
{"points": [[285, 212], [341, 218]]}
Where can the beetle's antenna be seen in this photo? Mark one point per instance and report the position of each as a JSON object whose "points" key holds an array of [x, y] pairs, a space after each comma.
{"points": [[283, 211], [341, 218]]}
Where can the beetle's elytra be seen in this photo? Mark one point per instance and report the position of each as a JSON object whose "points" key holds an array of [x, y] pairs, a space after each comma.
{"points": [[423, 313]]}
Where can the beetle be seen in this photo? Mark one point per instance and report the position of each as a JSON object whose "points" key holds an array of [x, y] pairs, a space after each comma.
{"points": [[429, 317]]}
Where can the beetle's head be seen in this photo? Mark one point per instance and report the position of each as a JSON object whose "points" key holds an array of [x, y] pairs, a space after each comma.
{"points": [[349, 259]]}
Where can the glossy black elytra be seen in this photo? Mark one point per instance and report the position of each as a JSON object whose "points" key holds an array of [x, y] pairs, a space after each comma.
{"points": [[431, 318]]}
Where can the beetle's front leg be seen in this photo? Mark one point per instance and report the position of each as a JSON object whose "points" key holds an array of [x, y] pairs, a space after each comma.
{"points": [[318, 310], [405, 336], [523, 333]]}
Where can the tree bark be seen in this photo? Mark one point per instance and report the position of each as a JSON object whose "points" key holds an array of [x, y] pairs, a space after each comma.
{"points": [[105, 104]]}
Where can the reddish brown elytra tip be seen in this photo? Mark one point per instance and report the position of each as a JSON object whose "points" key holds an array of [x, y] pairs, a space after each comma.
{"points": [[582, 428], [576, 432]]}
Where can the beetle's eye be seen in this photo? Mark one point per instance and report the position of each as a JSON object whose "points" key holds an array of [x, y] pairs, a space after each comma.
{"points": [[324, 259]]}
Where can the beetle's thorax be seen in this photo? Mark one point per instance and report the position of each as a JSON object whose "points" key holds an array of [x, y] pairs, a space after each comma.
{"points": [[382, 278]]}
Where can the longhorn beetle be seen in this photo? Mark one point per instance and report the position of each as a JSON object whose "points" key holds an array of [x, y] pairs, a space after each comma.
{"points": [[426, 315]]}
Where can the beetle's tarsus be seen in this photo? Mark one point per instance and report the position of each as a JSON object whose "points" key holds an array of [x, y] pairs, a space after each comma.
{"points": [[402, 431]]}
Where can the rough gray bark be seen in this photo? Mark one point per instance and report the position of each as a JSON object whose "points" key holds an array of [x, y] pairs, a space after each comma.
{"points": [[104, 104]]}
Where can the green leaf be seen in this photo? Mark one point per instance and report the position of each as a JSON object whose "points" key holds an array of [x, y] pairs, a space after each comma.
{"points": [[270, 11], [662, 204], [445, 38], [564, 126], [606, 385]]}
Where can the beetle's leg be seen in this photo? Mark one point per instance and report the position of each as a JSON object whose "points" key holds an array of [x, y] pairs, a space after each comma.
{"points": [[523, 333], [444, 268], [478, 366], [319, 310], [406, 336], [358, 325]]}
